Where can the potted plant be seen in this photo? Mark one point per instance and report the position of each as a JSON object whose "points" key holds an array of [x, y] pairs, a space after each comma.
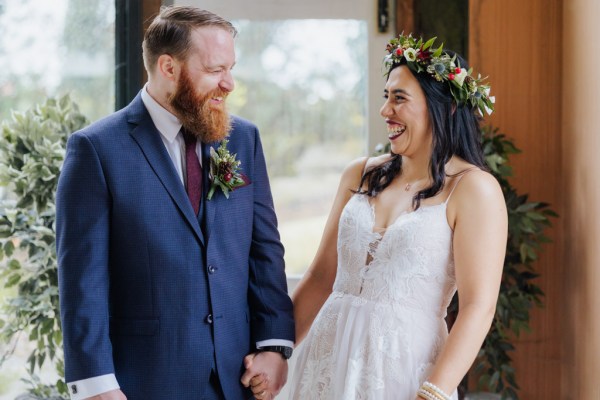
{"points": [[519, 293], [32, 150]]}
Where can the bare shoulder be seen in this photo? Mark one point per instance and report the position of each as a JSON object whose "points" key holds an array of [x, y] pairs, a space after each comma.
{"points": [[477, 196], [479, 183], [353, 172], [373, 162], [477, 188]]}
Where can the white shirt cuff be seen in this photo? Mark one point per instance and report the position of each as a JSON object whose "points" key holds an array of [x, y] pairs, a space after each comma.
{"points": [[84, 388], [275, 342]]}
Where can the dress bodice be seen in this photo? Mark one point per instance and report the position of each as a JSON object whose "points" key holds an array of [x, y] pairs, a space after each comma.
{"points": [[410, 265]]}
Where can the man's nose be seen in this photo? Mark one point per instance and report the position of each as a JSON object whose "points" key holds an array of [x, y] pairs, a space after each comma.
{"points": [[227, 83]]}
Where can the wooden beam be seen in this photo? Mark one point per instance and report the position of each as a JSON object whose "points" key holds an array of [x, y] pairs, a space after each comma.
{"points": [[405, 16]]}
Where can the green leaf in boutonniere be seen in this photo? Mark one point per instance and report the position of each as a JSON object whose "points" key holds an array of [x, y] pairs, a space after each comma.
{"points": [[225, 171]]}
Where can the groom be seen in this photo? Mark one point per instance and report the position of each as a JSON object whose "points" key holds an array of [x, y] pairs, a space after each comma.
{"points": [[162, 291]]}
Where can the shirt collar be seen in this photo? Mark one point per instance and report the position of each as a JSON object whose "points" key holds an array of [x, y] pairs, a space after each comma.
{"points": [[167, 124]]}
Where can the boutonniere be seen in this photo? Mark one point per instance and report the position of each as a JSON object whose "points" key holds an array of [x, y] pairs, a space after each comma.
{"points": [[225, 171]]}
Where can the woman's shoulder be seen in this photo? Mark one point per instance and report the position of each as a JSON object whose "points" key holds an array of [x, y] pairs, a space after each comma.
{"points": [[352, 173], [373, 162], [357, 167], [473, 184]]}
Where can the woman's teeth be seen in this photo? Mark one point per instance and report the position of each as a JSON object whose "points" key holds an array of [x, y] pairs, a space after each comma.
{"points": [[395, 130]]}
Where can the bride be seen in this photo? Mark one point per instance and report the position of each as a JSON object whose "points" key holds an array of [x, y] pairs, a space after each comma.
{"points": [[406, 230]]}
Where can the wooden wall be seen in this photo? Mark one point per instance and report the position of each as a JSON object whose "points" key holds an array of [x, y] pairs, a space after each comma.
{"points": [[518, 44], [581, 145]]}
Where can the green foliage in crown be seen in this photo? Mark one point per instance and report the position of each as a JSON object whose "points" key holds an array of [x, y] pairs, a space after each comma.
{"points": [[421, 57]]}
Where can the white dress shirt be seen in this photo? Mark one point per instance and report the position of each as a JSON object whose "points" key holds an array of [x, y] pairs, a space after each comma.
{"points": [[170, 132]]}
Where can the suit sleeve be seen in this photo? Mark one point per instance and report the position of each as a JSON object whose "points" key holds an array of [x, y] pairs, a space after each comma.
{"points": [[82, 238], [271, 307]]}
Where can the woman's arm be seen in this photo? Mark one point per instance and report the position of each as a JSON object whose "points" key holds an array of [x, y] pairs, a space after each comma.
{"points": [[478, 214], [317, 282]]}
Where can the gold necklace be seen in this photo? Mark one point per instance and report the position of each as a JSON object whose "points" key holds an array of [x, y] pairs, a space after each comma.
{"points": [[410, 184]]}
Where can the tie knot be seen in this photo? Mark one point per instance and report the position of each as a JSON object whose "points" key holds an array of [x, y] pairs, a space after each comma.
{"points": [[188, 137]]}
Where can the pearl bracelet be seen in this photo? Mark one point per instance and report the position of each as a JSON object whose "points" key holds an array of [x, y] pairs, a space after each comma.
{"points": [[431, 392], [423, 394]]}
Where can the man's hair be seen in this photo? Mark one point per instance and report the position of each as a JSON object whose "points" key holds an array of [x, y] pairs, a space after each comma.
{"points": [[170, 32]]}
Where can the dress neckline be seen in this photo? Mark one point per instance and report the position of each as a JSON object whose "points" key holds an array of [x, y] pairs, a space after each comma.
{"points": [[401, 216]]}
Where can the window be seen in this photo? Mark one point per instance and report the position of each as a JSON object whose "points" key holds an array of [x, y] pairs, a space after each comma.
{"points": [[303, 83], [50, 48], [309, 75], [57, 47]]}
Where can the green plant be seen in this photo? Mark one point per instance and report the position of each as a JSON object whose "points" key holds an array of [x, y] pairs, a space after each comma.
{"points": [[32, 150], [518, 292]]}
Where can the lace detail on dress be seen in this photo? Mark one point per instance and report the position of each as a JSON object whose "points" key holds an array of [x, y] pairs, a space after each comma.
{"points": [[379, 333]]}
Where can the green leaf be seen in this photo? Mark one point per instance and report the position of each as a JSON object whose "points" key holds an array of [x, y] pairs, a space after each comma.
{"points": [[526, 207], [14, 264], [429, 43], [438, 52], [12, 280], [9, 248]]}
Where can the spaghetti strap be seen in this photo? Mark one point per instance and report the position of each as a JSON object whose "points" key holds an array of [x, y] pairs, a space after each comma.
{"points": [[460, 176]]}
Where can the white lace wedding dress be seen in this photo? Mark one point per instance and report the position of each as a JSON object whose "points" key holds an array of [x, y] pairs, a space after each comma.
{"points": [[380, 331]]}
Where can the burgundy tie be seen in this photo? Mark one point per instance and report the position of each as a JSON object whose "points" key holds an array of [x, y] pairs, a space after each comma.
{"points": [[193, 171]]}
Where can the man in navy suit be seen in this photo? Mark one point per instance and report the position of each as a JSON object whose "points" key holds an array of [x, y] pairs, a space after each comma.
{"points": [[165, 294]]}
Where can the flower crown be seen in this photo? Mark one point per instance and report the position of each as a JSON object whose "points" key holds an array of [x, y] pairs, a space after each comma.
{"points": [[420, 57]]}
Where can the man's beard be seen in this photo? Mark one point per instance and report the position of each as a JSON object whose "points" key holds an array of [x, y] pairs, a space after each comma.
{"points": [[208, 123]]}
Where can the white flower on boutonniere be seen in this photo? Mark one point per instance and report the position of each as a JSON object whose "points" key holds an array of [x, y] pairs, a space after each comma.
{"points": [[225, 171]]}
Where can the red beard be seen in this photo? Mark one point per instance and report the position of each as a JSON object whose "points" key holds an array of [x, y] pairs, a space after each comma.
{"points": [[195, 112]]}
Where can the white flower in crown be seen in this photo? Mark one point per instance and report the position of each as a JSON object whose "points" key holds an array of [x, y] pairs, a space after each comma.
{"points": [[420, 56], [410, 54], [460, 77]]}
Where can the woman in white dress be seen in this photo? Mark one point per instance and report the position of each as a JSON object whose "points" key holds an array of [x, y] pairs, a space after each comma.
{"points": [[407, 229]]}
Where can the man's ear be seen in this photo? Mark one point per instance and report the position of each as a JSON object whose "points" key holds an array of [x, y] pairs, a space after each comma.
{"points": [[167, 67]]}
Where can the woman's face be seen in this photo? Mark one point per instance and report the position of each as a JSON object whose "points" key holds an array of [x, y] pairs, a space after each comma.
{"points": [[406, 116]]}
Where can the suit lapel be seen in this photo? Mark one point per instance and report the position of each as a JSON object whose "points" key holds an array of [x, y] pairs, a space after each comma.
{"points": [[210, 206], [148, 138]]}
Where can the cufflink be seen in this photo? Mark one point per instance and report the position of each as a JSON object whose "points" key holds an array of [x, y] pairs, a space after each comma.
{"points": [[74, 389]]}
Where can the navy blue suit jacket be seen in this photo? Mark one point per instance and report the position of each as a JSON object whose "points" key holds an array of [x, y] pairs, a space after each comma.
{"points": [[149, 291]]}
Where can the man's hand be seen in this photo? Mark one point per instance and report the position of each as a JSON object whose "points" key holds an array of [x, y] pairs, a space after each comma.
{"points": [[266, 373], [111, 395]]}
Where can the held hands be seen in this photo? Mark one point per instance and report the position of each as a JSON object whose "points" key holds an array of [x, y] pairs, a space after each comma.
{"points": [[266, 373], [111, 395]]}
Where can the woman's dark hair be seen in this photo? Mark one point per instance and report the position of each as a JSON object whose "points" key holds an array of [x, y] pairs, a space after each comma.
{"points": [[456, 131]]}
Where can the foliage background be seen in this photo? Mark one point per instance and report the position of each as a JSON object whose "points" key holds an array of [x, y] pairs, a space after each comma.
{"points": [[32, 150], [519, 293]]}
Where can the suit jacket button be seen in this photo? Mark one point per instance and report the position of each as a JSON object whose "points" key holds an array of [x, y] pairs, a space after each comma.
{"points": [[209, 319], [212, 269]]}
